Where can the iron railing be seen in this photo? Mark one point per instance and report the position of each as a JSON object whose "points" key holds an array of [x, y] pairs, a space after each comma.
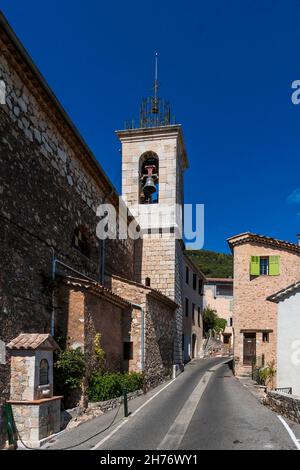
{"points": [[257, 364], [287, 390]]}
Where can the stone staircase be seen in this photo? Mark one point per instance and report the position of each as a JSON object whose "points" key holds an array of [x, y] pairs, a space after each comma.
{"points": [[213, 347]]}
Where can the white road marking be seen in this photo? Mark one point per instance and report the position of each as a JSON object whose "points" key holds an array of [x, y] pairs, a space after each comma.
{"points": [[133, 414], [292, 435], [179, 427], [150, 399], [109, 435]]}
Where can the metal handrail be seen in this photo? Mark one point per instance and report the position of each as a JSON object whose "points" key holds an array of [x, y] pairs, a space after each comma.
{"points": [[287, 390]]}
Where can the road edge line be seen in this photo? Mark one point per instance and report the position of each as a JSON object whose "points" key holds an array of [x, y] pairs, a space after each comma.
{"points": [[99, 444], [291, 434]]}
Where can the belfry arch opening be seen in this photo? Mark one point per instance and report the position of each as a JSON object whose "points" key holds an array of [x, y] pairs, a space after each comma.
{"points": [[149, 178]]}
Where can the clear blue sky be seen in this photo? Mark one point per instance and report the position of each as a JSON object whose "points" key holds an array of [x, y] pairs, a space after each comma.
{"points": [[226, 67]]}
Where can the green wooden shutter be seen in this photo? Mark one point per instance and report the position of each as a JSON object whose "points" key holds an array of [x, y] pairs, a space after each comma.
{"points": [[273, 265], [254, 266]]}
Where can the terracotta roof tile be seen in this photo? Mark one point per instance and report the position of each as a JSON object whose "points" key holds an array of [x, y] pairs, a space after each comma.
{"points": [[33, 341]]}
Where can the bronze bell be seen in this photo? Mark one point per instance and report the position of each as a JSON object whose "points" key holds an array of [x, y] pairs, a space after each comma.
{"points": [[149, 186]]}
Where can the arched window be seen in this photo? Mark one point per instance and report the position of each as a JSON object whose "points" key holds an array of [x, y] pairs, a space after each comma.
{"points": [[148, 281], [80, 241], [44, 372], [149, 178]]}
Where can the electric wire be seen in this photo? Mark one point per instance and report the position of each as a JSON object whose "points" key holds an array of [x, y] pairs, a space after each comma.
{"points": [[75, 445]]}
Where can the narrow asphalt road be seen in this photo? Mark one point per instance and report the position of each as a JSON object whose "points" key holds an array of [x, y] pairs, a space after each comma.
{"points": [[206, 407]]}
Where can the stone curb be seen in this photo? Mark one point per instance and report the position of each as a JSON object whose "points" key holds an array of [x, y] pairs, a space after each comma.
{"points": [[114, 402]]}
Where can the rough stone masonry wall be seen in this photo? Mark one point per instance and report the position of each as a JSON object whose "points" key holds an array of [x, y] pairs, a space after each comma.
{"points": [[159, 330], [251, 310], [132, 319], [36, 422], [160, 258], [159, 342], [179, 283], [83, 316], [286, 405], [46, 193], [157, 261]]}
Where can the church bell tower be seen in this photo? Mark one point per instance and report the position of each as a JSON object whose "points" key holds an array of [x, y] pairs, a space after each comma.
{"points": [[153, 164]]}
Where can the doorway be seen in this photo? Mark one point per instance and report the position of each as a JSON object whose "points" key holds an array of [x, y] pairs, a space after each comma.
{"points": [[249, 348], [194, 342]]}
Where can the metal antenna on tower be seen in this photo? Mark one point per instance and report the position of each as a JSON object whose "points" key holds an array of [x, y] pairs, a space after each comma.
{"points": [[154, 111], [155, 99]]}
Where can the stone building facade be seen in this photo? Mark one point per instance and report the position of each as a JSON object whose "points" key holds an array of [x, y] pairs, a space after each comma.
{"points": [[218, 295], [159, 257], [192, 336], [51, 185], [36, 412], [152, 331], [262, 266]]}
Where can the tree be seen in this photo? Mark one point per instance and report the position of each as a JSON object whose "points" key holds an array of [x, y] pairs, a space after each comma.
{"points": [[211, 321]]}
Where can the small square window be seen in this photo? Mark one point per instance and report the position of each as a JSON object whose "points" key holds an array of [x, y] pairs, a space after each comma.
{"points": [[200, 285], [186, 307], [265, 337], [264, 265], [194, 281], [187, 275]]}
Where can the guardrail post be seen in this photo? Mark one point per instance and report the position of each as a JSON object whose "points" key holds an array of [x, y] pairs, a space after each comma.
{"points": [[125, 403]]}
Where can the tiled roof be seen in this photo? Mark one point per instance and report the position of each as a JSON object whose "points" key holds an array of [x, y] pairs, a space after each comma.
{"points": [[151, 291], [220, 279], [284, 292], [248, 237], [33, 341], [96, 289]]}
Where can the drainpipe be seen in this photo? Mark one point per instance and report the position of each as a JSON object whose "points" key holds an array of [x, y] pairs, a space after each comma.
{"points": [[142, 334], [102, 245]]}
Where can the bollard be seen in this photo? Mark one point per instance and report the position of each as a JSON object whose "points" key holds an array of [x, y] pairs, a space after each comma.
{"points": [[125, 403], [9, 423]]}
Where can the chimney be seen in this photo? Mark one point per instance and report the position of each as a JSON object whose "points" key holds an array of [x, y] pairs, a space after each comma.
{"points": [[298, 236]]}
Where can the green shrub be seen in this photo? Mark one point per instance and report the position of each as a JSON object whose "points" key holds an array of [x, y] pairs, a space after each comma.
{"points": [[69, 370], [108, 386], [267, 373]]}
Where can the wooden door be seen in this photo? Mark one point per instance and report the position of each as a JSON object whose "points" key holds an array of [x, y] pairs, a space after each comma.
{"points": [[249, 348]]}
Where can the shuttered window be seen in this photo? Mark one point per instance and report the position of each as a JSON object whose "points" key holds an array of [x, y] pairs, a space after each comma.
{"points": [[274, 265], [254, 266], [265, 265]]}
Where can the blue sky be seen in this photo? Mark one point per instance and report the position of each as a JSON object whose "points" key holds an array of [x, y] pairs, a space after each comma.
{"points": [[226, 67]]}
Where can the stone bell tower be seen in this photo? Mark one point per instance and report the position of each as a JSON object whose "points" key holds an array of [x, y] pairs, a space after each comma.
{"points": [[153, 164]]}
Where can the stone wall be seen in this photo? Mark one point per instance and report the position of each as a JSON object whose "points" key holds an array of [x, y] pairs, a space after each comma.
{"points": [[50, 184], [37, 421], [251, 309], [285, 404], [159, 255], [159, 342], [25, 375], [193, 319], [82, 315], [159, 324], [221, 303]]}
